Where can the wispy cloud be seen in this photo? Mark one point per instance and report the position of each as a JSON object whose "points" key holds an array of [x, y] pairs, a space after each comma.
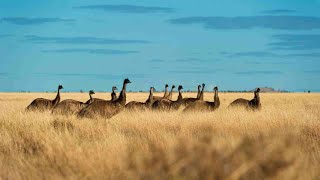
{"points": [[313, 72], [266, 54], [296, 41], [5, 35], [91, 51], [80, 40], [258, 73], [193, 71], [180, 60], [128, 9], [312, 55], [250, 54], [188, 60], [278, 11], [33, 21], [96, 76], [3, 74], [157, 60], [249, 22]]}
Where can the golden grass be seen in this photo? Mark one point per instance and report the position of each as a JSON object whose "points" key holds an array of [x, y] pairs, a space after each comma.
{"points": [[281, 141]]}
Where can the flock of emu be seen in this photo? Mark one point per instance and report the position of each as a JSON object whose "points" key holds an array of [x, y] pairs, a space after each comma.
{"points": [[95, 107]]}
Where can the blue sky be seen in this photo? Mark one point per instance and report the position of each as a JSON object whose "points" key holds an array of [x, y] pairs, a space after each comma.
{"points": [[95, 44]]}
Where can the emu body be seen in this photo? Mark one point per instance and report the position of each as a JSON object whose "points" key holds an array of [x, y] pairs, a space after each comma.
{"points": [[134, 105], [70, 106], [113, 95]]}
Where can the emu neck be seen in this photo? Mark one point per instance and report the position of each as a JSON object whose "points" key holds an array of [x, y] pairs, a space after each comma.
{"points": [[91, 99], [151, 95], [113, 96], [122, 97], [216, 98], [257, 97], [180, 95], [57, 99], [201, 94], [165, 92], [170, 94], [150, 99], [215, 93], [198, 95]]}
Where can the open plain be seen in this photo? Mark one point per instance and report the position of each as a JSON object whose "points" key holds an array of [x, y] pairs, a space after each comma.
{"points": [[280, 141]]}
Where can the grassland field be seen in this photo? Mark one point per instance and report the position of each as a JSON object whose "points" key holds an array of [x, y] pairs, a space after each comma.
{"points": [[282, 141]]}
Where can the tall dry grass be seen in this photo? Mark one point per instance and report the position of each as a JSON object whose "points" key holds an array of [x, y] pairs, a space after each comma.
{"points": [[281, 141]]}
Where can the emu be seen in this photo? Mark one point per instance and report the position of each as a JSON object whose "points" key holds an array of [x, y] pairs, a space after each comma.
{"points": [[113, 95], [201, 105], [167, 104], [201, 94], [155, 98], [188, 101], [106, 109], [134, 105], [41, 104], [253, 104], [70, 106], [170, 94]]}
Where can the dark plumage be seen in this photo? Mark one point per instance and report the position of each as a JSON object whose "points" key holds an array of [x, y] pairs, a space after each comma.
{"points": [[169, 96], [201, 105], [70, 106], [166, 93], [134, 105], [41, 104], [253, 104], [91, 99], [113, 95], [106, 109], [201, 94], [167, 104], [188, 101], [199, 91]]}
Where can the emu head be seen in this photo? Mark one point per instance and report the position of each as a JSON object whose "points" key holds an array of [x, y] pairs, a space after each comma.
{"points": [[180, 87], [203, 85], [256, 93], [173, 86], [126, 81], [91, 92], [114, 88], [152, 89], [166, 86], [215, 88], [258, 90], [60, 87]]}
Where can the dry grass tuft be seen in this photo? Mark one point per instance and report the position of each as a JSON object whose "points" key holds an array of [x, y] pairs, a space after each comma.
{"points": [[279, 142]]}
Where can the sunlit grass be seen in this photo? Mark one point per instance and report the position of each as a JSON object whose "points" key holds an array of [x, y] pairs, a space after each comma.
{"points": [[280, 141]]}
